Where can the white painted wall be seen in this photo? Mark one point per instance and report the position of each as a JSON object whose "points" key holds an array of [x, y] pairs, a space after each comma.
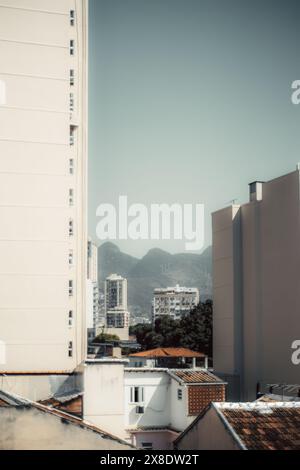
{"points": [[35, 182], [156, 398], [179, 408], [103, 403]]}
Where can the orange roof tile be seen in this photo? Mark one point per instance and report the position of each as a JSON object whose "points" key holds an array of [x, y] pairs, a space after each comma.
{"points": [[194, 376], [168, 352], [265, 426]]}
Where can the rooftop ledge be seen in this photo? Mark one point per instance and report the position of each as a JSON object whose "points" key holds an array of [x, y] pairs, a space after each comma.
{"points": [[108, 360]]}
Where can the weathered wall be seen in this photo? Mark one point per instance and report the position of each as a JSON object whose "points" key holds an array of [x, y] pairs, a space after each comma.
{"points": [[31, 429]]}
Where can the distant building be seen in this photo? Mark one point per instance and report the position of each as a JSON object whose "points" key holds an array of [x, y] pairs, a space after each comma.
{"points": [[117, 315], [244, 426], [92, 290], [168, 357], [139, 320], [115, 292], [256, 263], [161, 403], [174, 302]]}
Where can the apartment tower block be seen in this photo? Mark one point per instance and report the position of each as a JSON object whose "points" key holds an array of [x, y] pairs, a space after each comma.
{"points": [[43, 170]]}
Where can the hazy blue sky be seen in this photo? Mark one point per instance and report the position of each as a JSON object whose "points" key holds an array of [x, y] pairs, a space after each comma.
{"points": [[190, 101]]}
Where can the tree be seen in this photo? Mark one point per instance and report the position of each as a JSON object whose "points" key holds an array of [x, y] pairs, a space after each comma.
{"points": [[194, 331], [105, 338], [197, 329]]}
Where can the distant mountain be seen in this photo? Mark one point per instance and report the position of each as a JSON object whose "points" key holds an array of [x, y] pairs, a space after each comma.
{"points": [[157, 268]]}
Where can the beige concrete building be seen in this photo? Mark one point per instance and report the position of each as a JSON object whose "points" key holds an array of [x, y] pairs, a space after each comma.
{"points": [[256, 261], [43, 160]]}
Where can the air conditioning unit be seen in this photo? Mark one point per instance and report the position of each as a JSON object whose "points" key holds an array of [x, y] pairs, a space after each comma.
{"points": [[139, 410]]}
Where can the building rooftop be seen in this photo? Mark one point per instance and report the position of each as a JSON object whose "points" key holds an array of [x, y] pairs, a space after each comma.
{"points": [[168, 352], [176, 289], [263, 425], [14, 401], [195, 376]]}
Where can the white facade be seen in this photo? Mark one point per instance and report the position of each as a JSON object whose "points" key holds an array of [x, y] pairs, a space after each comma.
{"points": [[92, 261], [92, 290], [104, 394], [151, 401], [43, 159], [115, 292], [117, 315], [174, 302], [256, 259]]}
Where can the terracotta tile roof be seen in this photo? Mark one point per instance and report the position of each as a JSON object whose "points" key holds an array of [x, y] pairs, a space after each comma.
{"points": [[263, 425], [195, 376], [71, 403], [168, 352]]}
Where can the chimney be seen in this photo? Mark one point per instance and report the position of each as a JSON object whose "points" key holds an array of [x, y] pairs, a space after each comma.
{"points": [[256, 190]]}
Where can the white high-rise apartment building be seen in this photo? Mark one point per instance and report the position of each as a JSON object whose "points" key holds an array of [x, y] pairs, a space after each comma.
{"points": [[174, 302], [115, 292], [117, 315], [256, 265], [43, 161]]}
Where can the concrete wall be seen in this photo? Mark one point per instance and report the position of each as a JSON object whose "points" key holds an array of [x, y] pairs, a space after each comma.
{"points": [[226, 315], [160, 440], [156, 398], [256, 281], [179, 408], [31, 429], [35, 182], [208, 433], [40, 387], [103, 403]]}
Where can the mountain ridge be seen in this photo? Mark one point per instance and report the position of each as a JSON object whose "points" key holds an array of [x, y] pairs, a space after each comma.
{"points": [[157, 268]]}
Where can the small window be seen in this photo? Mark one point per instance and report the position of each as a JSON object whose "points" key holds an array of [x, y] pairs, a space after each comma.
{"points": [[179, 394], [71, 101], [71, 258], [71, 288], [147, 445], [71, 166], [70, 317], [72, 17], [72, 77], [71, 228], [70, 349], [136, 394], [72, 47], [71, 197]]}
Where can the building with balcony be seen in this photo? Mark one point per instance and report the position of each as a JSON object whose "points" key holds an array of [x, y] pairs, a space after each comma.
{"points": [[174, 302]]}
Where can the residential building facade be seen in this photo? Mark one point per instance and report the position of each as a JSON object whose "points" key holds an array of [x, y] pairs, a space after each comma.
{"points": [[174, 302], [256, 259], [43, 161], [92, 290], [160, 403], [117, 315]]}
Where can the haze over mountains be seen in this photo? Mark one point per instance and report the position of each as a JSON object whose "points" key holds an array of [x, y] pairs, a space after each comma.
{"points": [[157, 268]]}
